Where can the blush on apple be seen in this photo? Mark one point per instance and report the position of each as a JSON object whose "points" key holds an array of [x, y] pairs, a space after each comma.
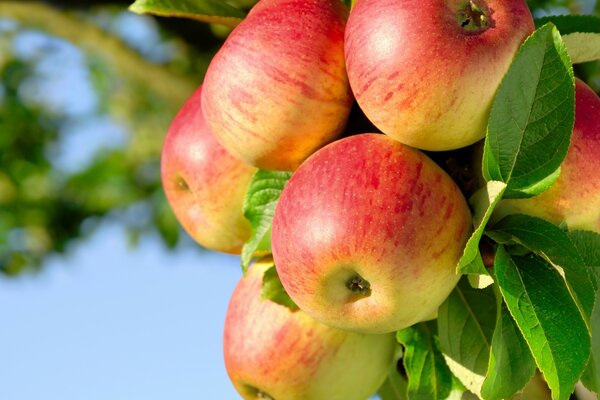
{"points": [[272, 352], [367, 235], [425, 72], [277, 89], [204, 184]]}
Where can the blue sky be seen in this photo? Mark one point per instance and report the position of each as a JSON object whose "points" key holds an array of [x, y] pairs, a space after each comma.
{"points": [[110, 322]]}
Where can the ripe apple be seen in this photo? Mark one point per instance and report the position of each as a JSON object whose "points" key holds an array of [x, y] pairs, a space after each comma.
{"points": [[272, 352], [425, 72], [277, 89], [367, 234], [204, 184], [575, 196]]}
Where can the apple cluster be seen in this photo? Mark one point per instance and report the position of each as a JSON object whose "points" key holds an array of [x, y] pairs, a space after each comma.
{"points": [[368, 231]]}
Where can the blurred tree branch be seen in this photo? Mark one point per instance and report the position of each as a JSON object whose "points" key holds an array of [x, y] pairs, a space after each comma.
{"points": [[42, 209], [129, 64]]}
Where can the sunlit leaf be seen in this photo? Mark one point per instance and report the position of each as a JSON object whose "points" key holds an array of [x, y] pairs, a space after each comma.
{"points": [[215, 11]]}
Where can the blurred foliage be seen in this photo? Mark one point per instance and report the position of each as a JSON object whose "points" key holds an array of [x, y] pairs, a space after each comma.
{"points": [[73, 155], [82, 144]]}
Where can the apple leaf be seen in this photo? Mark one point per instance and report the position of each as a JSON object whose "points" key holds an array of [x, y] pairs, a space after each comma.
{"points": [[581, 34], [511, 364], [426, 370], [273, 290], [532, 117], [428, 375], [465, 326], [537, 187], [583, 46], [591, 375], [483, 202], [567, 24], [547, 316], [212, 11], [555, 245], [394, 388], [480, 281], [588, 245], [259, 208]]}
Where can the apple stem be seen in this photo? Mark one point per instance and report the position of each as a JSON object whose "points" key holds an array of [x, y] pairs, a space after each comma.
{"points": [[486, 247], [458, 167], [357, 284], [472, 18]]}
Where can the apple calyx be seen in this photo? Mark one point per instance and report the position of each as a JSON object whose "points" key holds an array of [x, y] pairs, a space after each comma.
{"points": [[263, 396], [473, 18], [257, 393], [358, 285], [182, 184]]}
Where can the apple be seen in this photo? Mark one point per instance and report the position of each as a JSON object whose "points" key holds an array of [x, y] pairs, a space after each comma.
{"points": [[277, 89], [272, 352], [204, 184], [574, 199], [425, 72], [367, 234]]}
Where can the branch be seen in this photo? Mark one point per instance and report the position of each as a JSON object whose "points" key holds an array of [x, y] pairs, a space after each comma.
{"points": [[173, 88]]}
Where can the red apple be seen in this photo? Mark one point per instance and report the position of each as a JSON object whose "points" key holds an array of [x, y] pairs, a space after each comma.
{"points": [[277, 90], [575, 196], [367, 235], [204, 184], [425, 72], [272, 352]]}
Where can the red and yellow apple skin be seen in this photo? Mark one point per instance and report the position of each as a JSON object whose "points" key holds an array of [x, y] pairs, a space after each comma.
{"points": [[422, 78], [574, 199], [277, 90], [367, 235], [204, 184], [272, 352]]}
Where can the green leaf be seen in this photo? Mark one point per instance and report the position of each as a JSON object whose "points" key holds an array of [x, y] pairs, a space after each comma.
{"points": [[465, 326], [591, 375], [212, 11], [588, 245], [394, 388], [273, 290], [547, 316], [583, 47], [511, 364], [567, 24], [480, 281], [259, 208], [532, 116], [537, 187], [555, 245], [428, 375], [581, 34], [483, 202]]}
